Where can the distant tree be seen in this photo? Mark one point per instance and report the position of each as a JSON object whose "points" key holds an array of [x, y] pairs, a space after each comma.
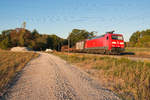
{"points": [[33, 40], [21, 39], [140, 39], [35, 34], [56, 42], [5, 43], [5, 33], [50, 42], [1, 38], [40, 43], [134, 38], [78, 35], [65, 42], [144, 41]]}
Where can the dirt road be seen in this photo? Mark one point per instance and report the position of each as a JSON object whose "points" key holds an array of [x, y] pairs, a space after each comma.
{"points": [[50, 78]]}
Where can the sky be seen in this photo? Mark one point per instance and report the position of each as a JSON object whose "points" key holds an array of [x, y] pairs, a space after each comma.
{"points": [[61, 16]]}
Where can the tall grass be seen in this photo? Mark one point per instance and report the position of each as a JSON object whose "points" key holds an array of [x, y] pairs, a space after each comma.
{"points": [[130, 79], [135, 49], [11, 63], [139, 52]]}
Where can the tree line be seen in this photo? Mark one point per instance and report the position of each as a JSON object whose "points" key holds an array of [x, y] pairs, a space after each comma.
{"points": [[140, 39], [25, 38], [36, 41]]}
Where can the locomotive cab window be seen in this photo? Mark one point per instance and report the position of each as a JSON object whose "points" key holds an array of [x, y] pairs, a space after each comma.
{"points": [[107, 37], [116, 37]]}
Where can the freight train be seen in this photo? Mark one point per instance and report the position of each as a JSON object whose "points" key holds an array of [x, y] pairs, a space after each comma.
{"points": [[109, 43]]}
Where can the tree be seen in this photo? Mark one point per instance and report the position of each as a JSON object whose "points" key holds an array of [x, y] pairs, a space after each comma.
{"points": [[35, 34], [78, 35], [6, 33], [21, 39], [1, 38], [140, 38], [56, 42], [134, 38], [144, 41], [33, 40], [4, 44]]}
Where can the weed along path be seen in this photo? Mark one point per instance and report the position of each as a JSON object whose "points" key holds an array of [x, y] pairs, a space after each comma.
{"points": [[50, 78]]}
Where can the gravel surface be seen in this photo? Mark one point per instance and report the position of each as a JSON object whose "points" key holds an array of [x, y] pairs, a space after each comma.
{"points": [[50, 78]]}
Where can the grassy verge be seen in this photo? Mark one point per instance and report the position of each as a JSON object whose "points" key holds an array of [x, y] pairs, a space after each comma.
{"points": [[139, 52], [129, 79], [11, 63], [135, 49]]}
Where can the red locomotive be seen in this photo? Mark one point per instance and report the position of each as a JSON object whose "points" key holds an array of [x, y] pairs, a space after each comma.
{"points": [[108, 43]]}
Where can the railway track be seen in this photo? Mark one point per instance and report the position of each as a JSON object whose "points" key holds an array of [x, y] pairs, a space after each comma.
{"points": [[128, 55]]}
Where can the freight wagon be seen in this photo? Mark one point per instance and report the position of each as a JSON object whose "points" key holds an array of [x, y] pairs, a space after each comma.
{"points": [[108, 43]]}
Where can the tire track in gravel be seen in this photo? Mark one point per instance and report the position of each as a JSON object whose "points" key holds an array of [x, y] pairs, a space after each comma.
{"points": [[50, 78], [64, 90]]}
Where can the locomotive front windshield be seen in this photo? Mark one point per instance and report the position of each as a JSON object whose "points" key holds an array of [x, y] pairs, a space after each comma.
{"points": [[116, 37]]}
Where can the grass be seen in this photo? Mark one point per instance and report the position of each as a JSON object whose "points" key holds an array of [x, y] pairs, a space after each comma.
{"points": [[139, 52], [135, 49], [10, 64], [129, 79]]}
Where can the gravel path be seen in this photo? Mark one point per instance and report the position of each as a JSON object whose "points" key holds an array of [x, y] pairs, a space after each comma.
{"points": [[50, 78]]}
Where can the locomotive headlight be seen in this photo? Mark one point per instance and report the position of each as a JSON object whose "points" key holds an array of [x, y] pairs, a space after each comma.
{"points": [[121, 42], [113, 42]]}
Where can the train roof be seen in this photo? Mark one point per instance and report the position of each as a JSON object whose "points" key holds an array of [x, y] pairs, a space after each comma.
{"points": [[104, 35], [97, 37]]}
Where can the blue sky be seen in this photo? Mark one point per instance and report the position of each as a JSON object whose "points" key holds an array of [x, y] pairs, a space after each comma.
{"points": [[61, 16]]}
